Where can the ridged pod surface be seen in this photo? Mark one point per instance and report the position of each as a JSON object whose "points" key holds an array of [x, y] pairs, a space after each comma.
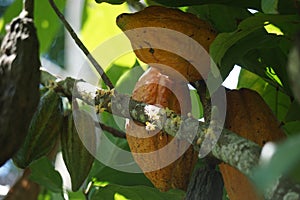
{"points": [[19, 83], [157, 89], [249, 116], [168, 45], [44, 130], [77, 158]]}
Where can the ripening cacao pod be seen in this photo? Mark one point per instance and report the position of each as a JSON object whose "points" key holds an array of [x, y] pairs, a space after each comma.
{"points": [[44, 130], [157, 89], [249, 116], [19, 83], [173, 41], [76, 156]]}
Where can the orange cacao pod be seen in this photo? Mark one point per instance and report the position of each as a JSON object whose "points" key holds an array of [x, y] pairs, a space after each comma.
{"points": [[157, 89], [249, 116], [177, 42]]}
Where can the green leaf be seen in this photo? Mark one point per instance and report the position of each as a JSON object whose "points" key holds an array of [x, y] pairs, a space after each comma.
{"points": [[222, 17], [114, 72], [293, 112], [114, 2], [269, 6], [276, 100], [292, 128], [288, 7], [134, 192], [286, 159], [76, 195], [253, 48], [197, 109], [127, 81], [254, 4], [43, 172], [104, 173]]}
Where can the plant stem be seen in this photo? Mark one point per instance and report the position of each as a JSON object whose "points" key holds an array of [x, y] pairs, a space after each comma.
{"points": [[28, 5], [82, 46]]}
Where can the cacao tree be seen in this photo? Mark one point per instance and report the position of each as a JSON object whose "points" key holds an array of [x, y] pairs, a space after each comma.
{"points": [[145, 112]]}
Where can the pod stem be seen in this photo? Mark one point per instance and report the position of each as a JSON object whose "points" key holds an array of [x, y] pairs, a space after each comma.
{"points": [[99, 69]]}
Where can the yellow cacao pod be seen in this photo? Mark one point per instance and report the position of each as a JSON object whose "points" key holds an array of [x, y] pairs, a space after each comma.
{"points": [[249, 116], [160, 90], [171, 40]]}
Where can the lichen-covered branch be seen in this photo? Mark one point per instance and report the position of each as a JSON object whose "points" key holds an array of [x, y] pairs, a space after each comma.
{"points": [[227, 147]]}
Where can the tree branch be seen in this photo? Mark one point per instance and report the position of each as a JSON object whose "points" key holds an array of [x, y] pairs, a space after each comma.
{"points": [[82, 46], [229, 147], [111, 130], [28, 6]]}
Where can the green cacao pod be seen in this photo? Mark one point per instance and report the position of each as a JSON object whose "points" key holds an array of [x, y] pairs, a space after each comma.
{"points": [[43, 130], [77, 158]]}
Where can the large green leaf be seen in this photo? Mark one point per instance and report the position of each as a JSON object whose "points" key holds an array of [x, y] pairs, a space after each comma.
{"points": [[277, 100], [254, 4], [249, 45], [104, 173], [292, 128], [135, 193], [127, 81], [269, 6], [43, 172], [222, 17]]}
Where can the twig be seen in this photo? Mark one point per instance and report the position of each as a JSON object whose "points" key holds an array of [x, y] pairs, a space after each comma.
{"points": [[201, 88], [82, 46], [28, 6], [111, 130]]}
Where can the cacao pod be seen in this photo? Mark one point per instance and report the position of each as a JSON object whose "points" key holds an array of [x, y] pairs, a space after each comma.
{"points": [[249, 116], [19, 83], [44, 130], [77, 158], [177, 42], [157, 89]]}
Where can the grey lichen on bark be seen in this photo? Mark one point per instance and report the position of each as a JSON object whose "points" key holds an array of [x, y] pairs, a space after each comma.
{"points": [[237, 151]]}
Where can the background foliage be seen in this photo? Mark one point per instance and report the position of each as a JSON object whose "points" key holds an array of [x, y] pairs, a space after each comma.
{"points": [[259, 40]]}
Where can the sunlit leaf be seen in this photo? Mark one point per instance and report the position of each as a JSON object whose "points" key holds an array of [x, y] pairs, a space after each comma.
{"points": [[222, 17], [277, 100], [255, 4], [105, 173], [269, 6], [128, 80]]}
